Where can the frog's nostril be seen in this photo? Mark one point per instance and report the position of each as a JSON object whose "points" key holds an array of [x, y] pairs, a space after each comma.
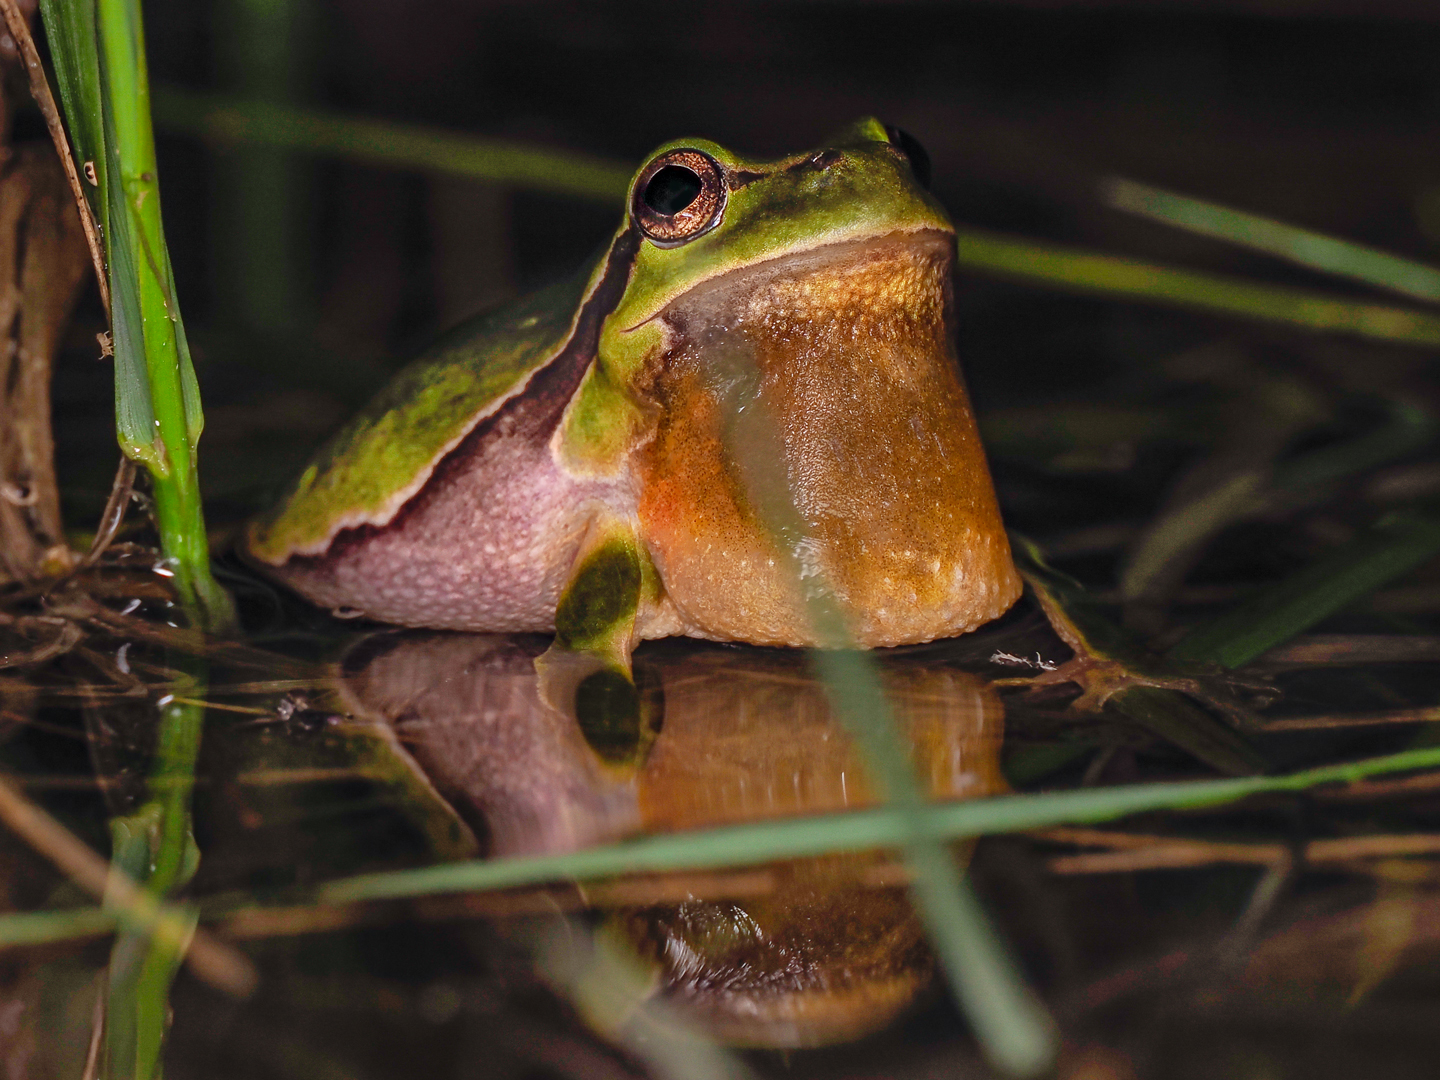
{"points": [[823, 159]]}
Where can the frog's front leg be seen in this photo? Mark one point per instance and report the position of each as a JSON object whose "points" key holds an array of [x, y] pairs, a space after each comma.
{"points": [[586, 672]]}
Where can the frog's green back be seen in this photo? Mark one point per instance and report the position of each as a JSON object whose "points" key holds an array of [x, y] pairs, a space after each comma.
{"points": [[382, 457]]}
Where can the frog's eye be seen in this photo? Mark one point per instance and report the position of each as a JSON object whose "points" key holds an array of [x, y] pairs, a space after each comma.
{"points": [[679, 196], [914, 153]]}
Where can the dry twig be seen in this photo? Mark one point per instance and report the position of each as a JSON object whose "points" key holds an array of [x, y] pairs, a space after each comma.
{"points": [[211, 960], [19, 28]]}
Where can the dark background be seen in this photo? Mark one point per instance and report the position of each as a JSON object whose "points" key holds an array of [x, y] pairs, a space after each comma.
{"points": [[305, 281]]}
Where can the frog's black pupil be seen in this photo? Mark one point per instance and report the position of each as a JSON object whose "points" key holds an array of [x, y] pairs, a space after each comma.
{"points": [[911, 148], [672, 189]]}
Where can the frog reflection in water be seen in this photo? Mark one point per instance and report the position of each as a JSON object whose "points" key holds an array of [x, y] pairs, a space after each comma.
{"points": [[825, 951], [586, 460]]}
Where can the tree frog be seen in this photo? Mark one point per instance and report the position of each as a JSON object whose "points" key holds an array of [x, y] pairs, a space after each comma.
{"points": [[602, 459]]}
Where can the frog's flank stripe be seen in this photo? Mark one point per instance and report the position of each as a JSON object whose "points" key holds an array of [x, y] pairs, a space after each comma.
{"points": [[533, 414]]}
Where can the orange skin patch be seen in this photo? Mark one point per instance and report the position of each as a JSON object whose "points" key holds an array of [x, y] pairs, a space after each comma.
{"points": [[871, 432]]}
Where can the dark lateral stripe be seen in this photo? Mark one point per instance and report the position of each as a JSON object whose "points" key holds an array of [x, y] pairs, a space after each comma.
{"points": [[552, 387], [534, 413], [739, 178]]}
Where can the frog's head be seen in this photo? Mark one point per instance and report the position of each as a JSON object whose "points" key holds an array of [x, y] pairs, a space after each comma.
{"points": [[782, 361]]}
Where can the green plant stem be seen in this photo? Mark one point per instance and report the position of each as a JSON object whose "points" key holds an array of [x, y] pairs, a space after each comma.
{"points": [[155, 847], [147, 315]]}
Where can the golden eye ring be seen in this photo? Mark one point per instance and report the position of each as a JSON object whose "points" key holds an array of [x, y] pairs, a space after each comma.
{"points": [[679, 196]]}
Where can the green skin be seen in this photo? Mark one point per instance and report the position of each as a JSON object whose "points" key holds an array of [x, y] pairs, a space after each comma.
{"points": [[493, 485]]}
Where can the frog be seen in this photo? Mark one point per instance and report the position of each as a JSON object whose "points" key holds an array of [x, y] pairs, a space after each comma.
{"points": [[602, 460]]}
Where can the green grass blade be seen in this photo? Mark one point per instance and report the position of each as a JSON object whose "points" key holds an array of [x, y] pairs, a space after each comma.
{"points": [[70, 29], [135, 423], [38, 927], [1409, 430], [1130, 279], [1394, 546], [1012, 1026], [148, 317], [885, 827], [1314, 250], [228, 120], [796, 838]]}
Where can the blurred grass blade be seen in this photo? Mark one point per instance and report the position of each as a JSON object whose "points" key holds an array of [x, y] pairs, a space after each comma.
{"points": [[1394, 546], [796, 838], [1016, 1033], [1409, 430], [886, 826], [263, 200], [34, 928], [1315, 250], [235, 121], [228, 120], [1130, 279]]}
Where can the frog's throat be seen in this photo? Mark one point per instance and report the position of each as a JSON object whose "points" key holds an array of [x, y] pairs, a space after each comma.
{"points": [[867, 475]]}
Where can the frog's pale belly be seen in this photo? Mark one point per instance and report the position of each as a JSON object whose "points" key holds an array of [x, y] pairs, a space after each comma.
{"points": [[486, 545]]}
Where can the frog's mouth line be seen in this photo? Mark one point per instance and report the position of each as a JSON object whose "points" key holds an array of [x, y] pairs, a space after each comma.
{"points": [[717, 291]]}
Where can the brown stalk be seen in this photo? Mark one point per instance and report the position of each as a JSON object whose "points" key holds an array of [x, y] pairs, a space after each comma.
{"points": [[1353, 720], [1353, 649], [1136, 851], [41, 269], [120, 491], [19, 27]]}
